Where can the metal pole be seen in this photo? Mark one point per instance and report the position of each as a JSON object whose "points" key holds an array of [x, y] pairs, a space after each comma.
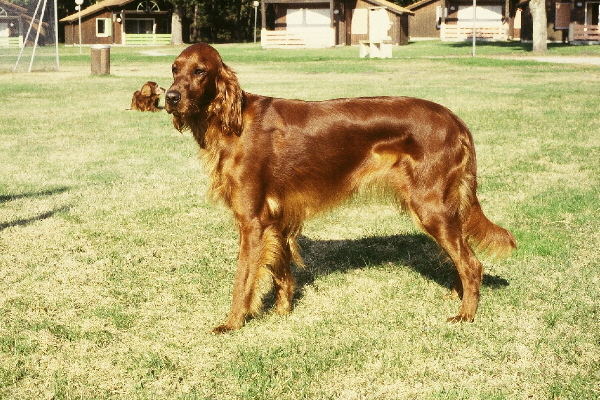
{"points": [[79, 29], [255, 4], [474, 24], [27, 36], [79, 4], [56, 34], [37, 36]]}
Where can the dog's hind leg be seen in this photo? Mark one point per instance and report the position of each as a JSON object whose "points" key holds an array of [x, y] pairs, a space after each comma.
{"points": [[442, 216], [277, 255], [446, 228]]}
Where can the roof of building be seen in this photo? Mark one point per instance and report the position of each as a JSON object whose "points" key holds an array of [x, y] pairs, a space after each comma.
{"points": [[94, 8], [13, 7], [395, 8], [419, 4], [391, 6]]}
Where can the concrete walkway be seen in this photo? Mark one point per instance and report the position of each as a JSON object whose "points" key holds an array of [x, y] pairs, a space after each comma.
{"points": [[563, 60]]}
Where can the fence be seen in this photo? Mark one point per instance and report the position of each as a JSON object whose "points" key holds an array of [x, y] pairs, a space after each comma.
{"points": [[587, 33], [463, 32], [147, 39], [10, 42], [303, 39]]}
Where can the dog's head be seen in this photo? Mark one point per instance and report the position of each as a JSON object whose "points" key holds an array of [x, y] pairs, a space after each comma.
{"points": [[151, 89], [203, 84]]}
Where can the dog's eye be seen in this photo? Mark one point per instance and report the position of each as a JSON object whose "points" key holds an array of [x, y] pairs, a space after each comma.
{"points": [[174, 70], [199, 71]]}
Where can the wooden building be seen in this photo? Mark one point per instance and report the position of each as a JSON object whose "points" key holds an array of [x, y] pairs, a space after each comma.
{"points": [[14, 23], [576, 21], [452, 20], [125, 22], [425, 24], [326, 23], [585, 20]]}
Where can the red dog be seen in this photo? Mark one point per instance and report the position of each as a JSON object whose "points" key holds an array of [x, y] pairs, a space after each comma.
{"points": [[275, 162], [146, 99]]}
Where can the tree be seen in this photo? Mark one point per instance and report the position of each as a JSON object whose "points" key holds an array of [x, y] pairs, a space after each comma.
{"points": [[176, 25], [540, 25], [213, 20]]}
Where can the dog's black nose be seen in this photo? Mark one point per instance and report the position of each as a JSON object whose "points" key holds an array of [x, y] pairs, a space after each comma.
{"points": [[173, 97]]}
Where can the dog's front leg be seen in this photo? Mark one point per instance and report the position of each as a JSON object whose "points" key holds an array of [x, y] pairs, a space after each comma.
{"points": [[248, 277]]}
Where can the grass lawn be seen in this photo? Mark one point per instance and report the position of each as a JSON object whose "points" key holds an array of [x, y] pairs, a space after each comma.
{"points": [[114, 266]]}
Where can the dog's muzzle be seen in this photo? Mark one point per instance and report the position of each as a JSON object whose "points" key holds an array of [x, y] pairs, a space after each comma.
{"points": [[172, 98]]}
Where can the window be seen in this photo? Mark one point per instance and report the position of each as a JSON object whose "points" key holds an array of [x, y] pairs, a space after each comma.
{"points": [[562, 17], [140, 25], [307, 18], [103, 27], [485, 15]]}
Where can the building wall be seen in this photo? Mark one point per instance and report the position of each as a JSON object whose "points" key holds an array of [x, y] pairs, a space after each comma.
{"points": [[397, 32], [554, 35], [115, 18], [424, 24], [281, 12], [342, 20], [88, 30]]}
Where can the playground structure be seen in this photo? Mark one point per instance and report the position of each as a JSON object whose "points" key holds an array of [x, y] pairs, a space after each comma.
{"points": [[38, 17]]}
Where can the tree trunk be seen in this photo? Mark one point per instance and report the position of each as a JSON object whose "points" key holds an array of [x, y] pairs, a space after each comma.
{"points": [[213, 18], [195, 30], [540, 25], [176, 26]]}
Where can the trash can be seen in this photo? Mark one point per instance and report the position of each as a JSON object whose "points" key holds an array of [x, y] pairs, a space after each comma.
{"points": [[100, 59]]}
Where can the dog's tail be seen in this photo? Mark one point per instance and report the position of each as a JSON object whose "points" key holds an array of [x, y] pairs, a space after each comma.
{"points": [[483, 235], [486, 237]]}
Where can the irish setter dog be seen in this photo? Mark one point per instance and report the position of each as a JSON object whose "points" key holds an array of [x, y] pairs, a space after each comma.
{"points": [[275, 162], [147, 98]]}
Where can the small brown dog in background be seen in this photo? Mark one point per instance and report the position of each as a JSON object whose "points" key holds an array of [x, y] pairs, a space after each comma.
{"points": [[147, 98]]}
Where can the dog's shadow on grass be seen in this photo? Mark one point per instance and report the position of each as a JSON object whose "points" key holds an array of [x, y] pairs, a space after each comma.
{"points": [[415, 251]]}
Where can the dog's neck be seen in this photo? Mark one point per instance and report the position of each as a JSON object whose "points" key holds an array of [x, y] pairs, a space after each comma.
{"points": [[209, 126], [199, 125]]}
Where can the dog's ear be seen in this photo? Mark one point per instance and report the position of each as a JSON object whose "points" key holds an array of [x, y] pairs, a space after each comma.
{"points": [[147, 89], [227, 105]]}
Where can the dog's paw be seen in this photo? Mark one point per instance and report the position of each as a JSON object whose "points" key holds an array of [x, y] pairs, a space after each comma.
{"points": [[221, 329], [461, 318]]}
